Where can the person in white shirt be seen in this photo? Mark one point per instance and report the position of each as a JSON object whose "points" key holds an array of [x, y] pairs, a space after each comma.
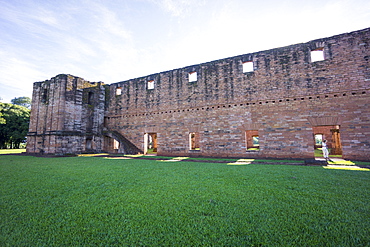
{"points": [[325, 150]]}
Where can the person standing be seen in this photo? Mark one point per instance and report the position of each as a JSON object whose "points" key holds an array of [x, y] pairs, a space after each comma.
{"points": [[325, 150]]}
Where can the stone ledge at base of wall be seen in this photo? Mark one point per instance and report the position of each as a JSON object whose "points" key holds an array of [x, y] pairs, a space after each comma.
{"points": [[315, 162]]}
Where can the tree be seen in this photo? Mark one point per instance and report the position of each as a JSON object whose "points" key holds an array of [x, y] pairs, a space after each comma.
{"points": [[14, 127], [2, 119], [22, 101]]}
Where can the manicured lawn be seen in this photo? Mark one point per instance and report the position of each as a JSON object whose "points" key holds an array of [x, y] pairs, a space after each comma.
{"points": [[95, 201], [216, 159], [318, 153]]}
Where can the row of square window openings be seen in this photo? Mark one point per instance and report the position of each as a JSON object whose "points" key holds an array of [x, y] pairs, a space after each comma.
{"points": [[316, 55]]}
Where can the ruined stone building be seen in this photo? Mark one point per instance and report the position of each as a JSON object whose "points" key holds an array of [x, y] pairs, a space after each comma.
{"points": [[278, 103]]}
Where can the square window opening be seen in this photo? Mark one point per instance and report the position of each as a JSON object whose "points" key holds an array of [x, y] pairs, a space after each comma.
{"points": [[118, 90], [317, 55], [193, 76], [151, 84], [248, 67]]}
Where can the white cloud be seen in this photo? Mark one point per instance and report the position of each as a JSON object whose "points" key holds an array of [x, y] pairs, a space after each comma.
{"points": [[77, 49], [112, 41], [178, 8], [112, 25], [17, 77], [44, 16], [93, 44]]}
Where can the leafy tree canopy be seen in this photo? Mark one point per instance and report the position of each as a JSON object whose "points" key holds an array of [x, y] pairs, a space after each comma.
{"points": [[22, 101], [14, 122]]}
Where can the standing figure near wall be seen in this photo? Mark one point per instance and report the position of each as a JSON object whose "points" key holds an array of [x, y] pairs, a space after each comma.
{"points": [[325, 151]]}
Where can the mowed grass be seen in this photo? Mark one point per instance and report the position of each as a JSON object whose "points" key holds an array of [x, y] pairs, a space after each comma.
{"points": [[95, 201]]}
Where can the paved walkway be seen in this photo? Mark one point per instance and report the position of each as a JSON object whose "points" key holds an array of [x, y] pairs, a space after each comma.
{"points": [[342, 164]]}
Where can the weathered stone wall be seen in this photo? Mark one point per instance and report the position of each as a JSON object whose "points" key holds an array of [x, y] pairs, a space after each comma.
{"points": [[283, 98], [285, 128], [62, 119]]}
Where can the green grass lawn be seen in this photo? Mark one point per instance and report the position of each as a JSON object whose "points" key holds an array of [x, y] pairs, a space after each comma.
{"points": [[318, 153], [96, 201]]}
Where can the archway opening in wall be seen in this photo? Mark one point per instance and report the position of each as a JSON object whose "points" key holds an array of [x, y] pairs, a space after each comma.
{"points": [[331, 134], [150, 143], [88, 144]]}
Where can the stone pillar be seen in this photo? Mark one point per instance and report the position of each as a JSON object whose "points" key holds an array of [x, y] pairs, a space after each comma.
{"points": [[336, 146]]}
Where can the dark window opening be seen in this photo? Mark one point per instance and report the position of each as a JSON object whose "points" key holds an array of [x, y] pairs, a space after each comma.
{"points": [[88, 144], [44, 97], [90, 98]]}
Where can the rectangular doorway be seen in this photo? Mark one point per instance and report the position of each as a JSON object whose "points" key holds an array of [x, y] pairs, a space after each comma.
{"points": [[331, 134], [150, 143], [194, 141], [252, 140]]}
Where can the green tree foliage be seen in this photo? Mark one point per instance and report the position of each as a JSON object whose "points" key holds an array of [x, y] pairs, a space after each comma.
{"points": [[14, 122], [22, 101], [2, 119]]}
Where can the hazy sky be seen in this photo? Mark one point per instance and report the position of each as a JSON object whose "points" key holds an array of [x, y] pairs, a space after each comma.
{"points": [[117, 40]]}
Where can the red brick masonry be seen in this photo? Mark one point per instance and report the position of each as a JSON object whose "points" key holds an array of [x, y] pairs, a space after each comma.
{"points": [[285, 99]]}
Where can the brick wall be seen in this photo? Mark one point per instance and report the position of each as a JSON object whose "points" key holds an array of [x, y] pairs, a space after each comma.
{"points": [[285, 98]]}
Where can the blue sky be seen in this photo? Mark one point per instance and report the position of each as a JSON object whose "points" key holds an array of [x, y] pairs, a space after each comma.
{"points": [[117, 40]]}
